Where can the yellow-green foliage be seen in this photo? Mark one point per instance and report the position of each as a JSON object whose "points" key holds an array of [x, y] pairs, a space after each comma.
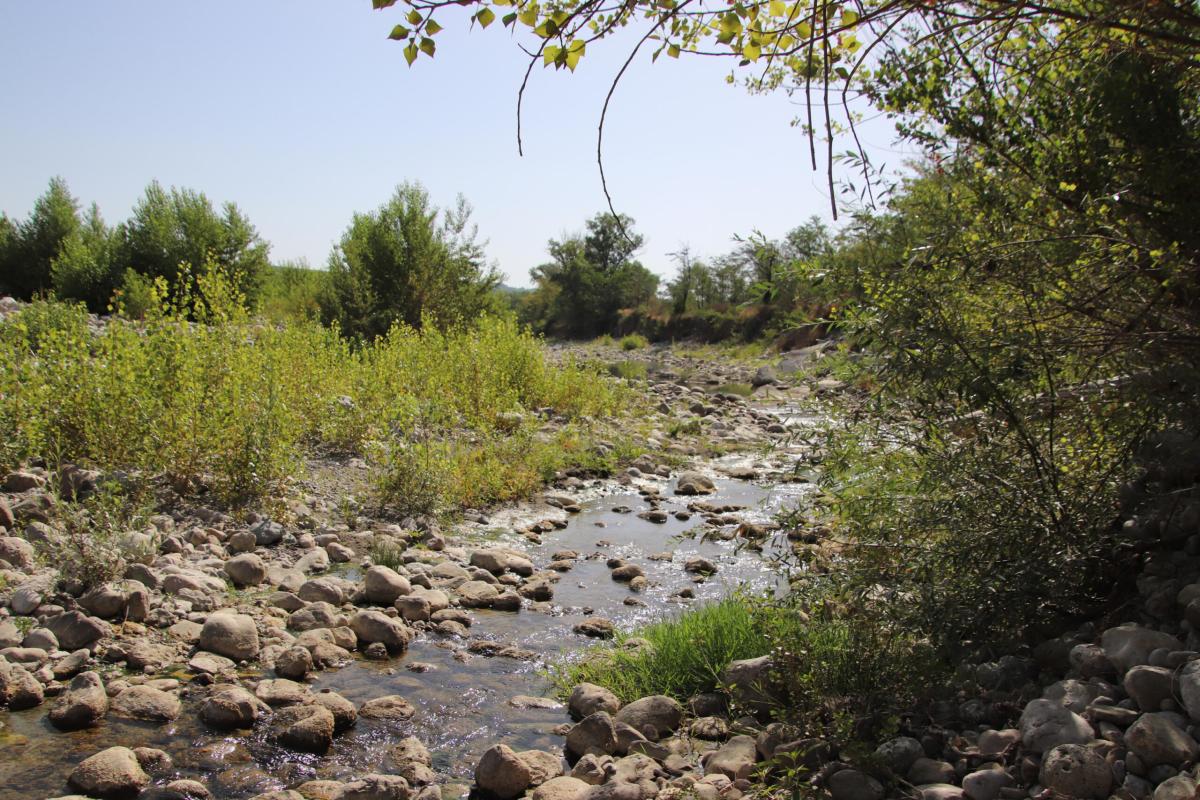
{"points": [[231, 403], [634, 341]]}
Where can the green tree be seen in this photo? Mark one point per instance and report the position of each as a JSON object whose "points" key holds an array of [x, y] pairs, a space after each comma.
{"points": [[37, 241], [86, 267], [591, 277], [406, 262], [172, 227]]}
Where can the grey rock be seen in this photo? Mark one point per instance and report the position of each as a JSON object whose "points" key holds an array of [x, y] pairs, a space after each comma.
{"points": [[231, 635], [1073, 770], [114, 772], [1046, 724]]}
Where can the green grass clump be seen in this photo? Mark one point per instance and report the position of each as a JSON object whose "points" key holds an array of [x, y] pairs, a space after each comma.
{"points": [[685, 654], [740, 389], [629, 370], [634, 341]]}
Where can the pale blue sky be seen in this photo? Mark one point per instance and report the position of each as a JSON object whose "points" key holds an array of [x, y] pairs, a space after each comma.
{"points": [[302, 112]]}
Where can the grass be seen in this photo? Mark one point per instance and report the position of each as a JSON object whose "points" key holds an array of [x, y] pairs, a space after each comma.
{"points": [[686, 654], [629, 370], [740, 389], [217, 401], [634, 341]]}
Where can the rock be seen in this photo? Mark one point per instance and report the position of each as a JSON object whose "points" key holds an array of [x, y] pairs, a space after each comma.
{"points": [[375, 626], [232, 707], [75, 630], [1129, 645], [562, 788], [699, 566], [596, 628], [267, 533], [693, 483], [713, 729], [307, 728], [595, 735], [1046, 724], [627, 572], [19, 690], [10, 636], [391, 707], [939, 791], [210, 664], [986, 784], [344, 713], [654, 717], [735, 759], [321, 590], [850, 784], [413, 608], [1180, 787], [294, 663], [900, 753], [542, 765], [592, 769], [1189, 688], [146, 703], [765, 376], [376, 787], [185, 789], [82, 705], [246, 569], [588, 698], [1150, 686], [1158, 740], [17, 552], [498, 562], [502, 773], [995, 743], [281, 692], [114, 772], [477, 594], [313, 616], [231, 635], [928, 770], [1073, 770], [382, 585], [104, 601], [749, 682]]}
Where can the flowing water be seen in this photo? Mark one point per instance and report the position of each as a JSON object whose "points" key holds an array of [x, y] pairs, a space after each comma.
{"points": [[464, 705]]}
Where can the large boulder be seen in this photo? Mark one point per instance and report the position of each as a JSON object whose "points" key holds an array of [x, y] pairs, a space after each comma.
{"points": [[83, 704], [246, 569], [146, 703], [382, 585], [588, 698], [735, 759], [114, 772], [230, 707], [1150, 686], [693, 483], [1046, 724], [595, 735], [375, 626], [17, 552], [75, 630], [654, 717], [1130, 645], [18, 688], [307, 728], [750, 683], [231, 635], [1072, 770], [1189, 688], [1158, 740], [502, 773]]}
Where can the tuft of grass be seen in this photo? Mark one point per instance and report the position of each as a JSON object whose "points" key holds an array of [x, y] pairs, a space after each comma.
{"points": [[740, 389], [387, 552], [685, 655], [634, 341], [629, 370]]}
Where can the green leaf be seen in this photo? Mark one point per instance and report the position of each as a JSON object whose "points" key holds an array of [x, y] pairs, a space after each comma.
{"points": [[575, 51], [410, 54], [849, 18], [432, 28], [399, 32], [752, 52], [485, 17], [550, 54], [378, 4], [509, 19], [414, 17], [673, 50], [528, 17], [428, 46], [777, 8]]}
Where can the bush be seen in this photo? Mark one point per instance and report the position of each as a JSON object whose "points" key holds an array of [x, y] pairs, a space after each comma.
{"points": [[633, 341]]}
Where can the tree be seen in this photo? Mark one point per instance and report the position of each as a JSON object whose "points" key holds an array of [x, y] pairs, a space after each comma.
{"points": [[86, 267], [36, 242], [173, 227], [591, 277], [408, 262]]}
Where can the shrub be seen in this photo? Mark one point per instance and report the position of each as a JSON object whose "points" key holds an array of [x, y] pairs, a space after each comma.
{"points": [[93, 543], [633, 341], [629, 370]]}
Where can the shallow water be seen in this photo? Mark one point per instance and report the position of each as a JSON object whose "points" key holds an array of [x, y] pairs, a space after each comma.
{"points": [[463, 706]]}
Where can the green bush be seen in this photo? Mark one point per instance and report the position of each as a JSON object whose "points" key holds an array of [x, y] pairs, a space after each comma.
{"points": [[633, 341]]}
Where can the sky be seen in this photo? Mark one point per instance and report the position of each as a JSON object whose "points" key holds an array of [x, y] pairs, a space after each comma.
{"points": [[303, 112]]}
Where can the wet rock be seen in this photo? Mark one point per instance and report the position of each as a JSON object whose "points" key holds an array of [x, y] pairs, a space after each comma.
{"points": [[376, 787], [595, 735], [588, 698], [231, 635], [245, 570], [375, 626], [281, 692], [18, 688], [389, 708], [699, 566], [75, 630], [82, 705], [654, 717], [231, 707], [850, 784], [596, 628], [694, 483], [1158, 740], [382, 585], [184, 789], [146, 703], [307, 728], [210, 664], [1045, 724], [413, 608], [628, 572], [344, 713], [502, 773], [114, 772], [477, 594], [72, 665], [1073, 770]]}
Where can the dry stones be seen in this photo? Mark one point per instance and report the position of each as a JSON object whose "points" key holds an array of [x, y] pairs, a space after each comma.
{"points": [[502, 773], [19, 689], [1189, 688], [1158, 740], [114, 772], [595, 735], [1150, 686], [850, 784], [75, 630], [146, 703], [900, 753], [653, 717], [83, 704], [1129, 645], [231, 635], [294, 663], [246, 569], [382, 585], [1073, 770], [588, 698], [562, 788], [375, 626], [1045, 725], [735, 759], [376, 787]]}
